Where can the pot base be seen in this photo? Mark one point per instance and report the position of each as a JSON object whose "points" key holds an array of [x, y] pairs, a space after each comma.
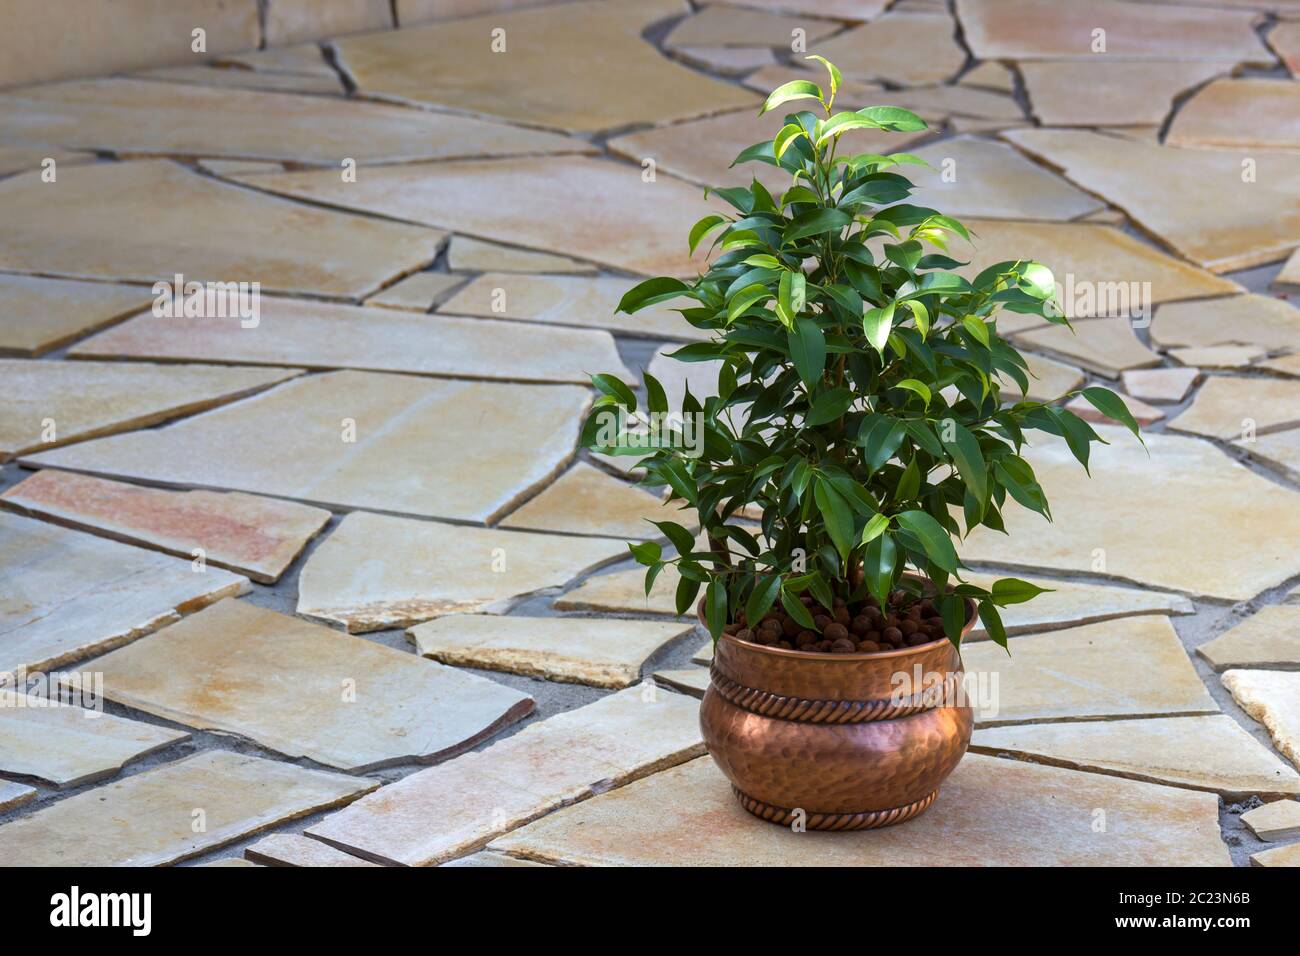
{"points": [[866, 820]]}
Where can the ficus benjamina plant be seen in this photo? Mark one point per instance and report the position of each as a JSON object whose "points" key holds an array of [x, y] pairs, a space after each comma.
{"points": [[859, 413]]}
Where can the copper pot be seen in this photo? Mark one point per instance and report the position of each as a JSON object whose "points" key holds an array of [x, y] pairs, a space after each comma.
{"points": [[836, 741]]}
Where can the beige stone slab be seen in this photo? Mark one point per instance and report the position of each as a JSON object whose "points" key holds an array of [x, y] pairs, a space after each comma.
{"points": [[376, 572], [104, 38], [990, 812], [1260, 321], [223, 79], [677, 376], [1107, 346], [522, 84], [983, 178], [991, 76], [322, 335], [360, 440], [1284, 365], [14, 795], [293, 21], [23, 159], [1113, 217], [1284, 38], [1231, 407], [850, 10], [909, 49], [569, 300], [1160, 384], [141, 118], [1281, 450], [1119, 93], [417, 293], [1279, 820], [49, 404], [1247, 113], [75, 231], [69, 745], [37, 315], [1199, 753], [550, 763], [491, 859], [69, 595], [290, 849], [1218, 356], [1273, 699], [467, 254], [1142, 413], [1280, 856], [727, 60], [230, 168], [232, 862], [304, 59], [259, 537], [1130, 519], [1268, 639], [705, 654], [1249, 218], [306, 690], [1090, 258], [595, 651], [623, 591], [1129, 667], [155, 811], [588, 501], [718, 24], [688, 680], [1048, 380], [638, 226], [1071, 603], [1049, 30]]}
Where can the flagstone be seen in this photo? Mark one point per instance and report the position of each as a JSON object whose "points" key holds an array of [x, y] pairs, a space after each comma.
{"points": [[23, 159], [1230, 407], [1280, 450], [688, 680], [1246, 113], [466, 254], [232, 862], [1048, 380], [399, 443], [230, 168], [1199, 753], [725, 25], [1142, 413], [727, 60], [488, 858], [1128, 667], [290, 849], [1284, 365], [71, 594], [376, 572], [552, 762], [934, 104], [1049, 30], [568, 300], [1273, 699], [1106, 346], [623, 591], [1279, 856], [1071, 603], [321, 335], [136, 117], [908, 49], [1119, 93], [49, 404], [523, 85], [850, 10], [597, 651], [154, 811], [979, 177], [416, 293], [705, 654], [587, 501], [991, 76], [1248, 217], [293, 21], [990, 812], [1284, 38], [300, 58], [259, 537], [76, 231], [637, 226], [1218, 356], [1160, 384], [307, 691], [1269, 638], [1130, 520], [68, 745], [218, 78], [1260, 321], [676, 376], [1113, 217], [1279, 820], [15, 795], [37, 315]]}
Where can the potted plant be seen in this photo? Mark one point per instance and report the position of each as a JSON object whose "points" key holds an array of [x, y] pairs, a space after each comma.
{"points": [[859, 421]]}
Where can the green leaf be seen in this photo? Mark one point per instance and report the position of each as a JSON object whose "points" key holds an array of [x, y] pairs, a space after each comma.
{"points": [[933, 537], [842, 123], [656, 401], [952, 611], [879, 562], [762, 598], [966, 455], [837, 515], [794, 90], [875, 527], [835, 77], [687, 589], [794, 607], [1112, 406], [715, 607], [829, 406], [698, 232], [917, 387], [653, 291], [615, 388], [880, 437], [807, 350], [876, 324], [815, 222], [680, 537], [746, 297], [893, 118], [647, 552], [786, 138], [791, 297], [976, 327], [993, 623], [1014, 591]]}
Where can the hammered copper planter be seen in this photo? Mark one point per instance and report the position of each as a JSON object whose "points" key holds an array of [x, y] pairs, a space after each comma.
{"points": [[829, 736]]}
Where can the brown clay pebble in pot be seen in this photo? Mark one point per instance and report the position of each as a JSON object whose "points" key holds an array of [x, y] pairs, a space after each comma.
{"points": [[765, 636], [790, 627], [805, 639], [822, 621], [873, 636], [843, 646], [842, 616], [893, 635], [731, 629], [897, 597], [860, 625], [908, 627], [835, 632], [745, 634], [784, 645], [867, 647], [823, 645], [915, 640]]}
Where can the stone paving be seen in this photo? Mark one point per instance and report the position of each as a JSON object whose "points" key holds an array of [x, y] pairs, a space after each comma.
{"points": [[349, 555]]}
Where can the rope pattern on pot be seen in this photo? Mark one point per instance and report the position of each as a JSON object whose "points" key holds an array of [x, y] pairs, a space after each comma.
{"points": [[866, 820], [814, 711]]}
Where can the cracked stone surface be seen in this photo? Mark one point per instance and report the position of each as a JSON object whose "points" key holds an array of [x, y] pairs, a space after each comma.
{"points": [[238, 794], [1281, 856], [1119, 93], [43, 314], [1273, 699], [480, 795], [357, 435], [1107, 346], [224, 79], [377, 571], [417, 293], [910, 49], [1219, 356], [602, 653], [1250, 113], [1279, 820], [737, 26], [990, 812], [1260, 321], [1280, 450], [1160, 384], [467, 254], [1229, 407], [588, 501], [286, 849], [1142, 413], [68, 595], [306, 690], [14, 795], [688, 680], [1269, 638]]}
